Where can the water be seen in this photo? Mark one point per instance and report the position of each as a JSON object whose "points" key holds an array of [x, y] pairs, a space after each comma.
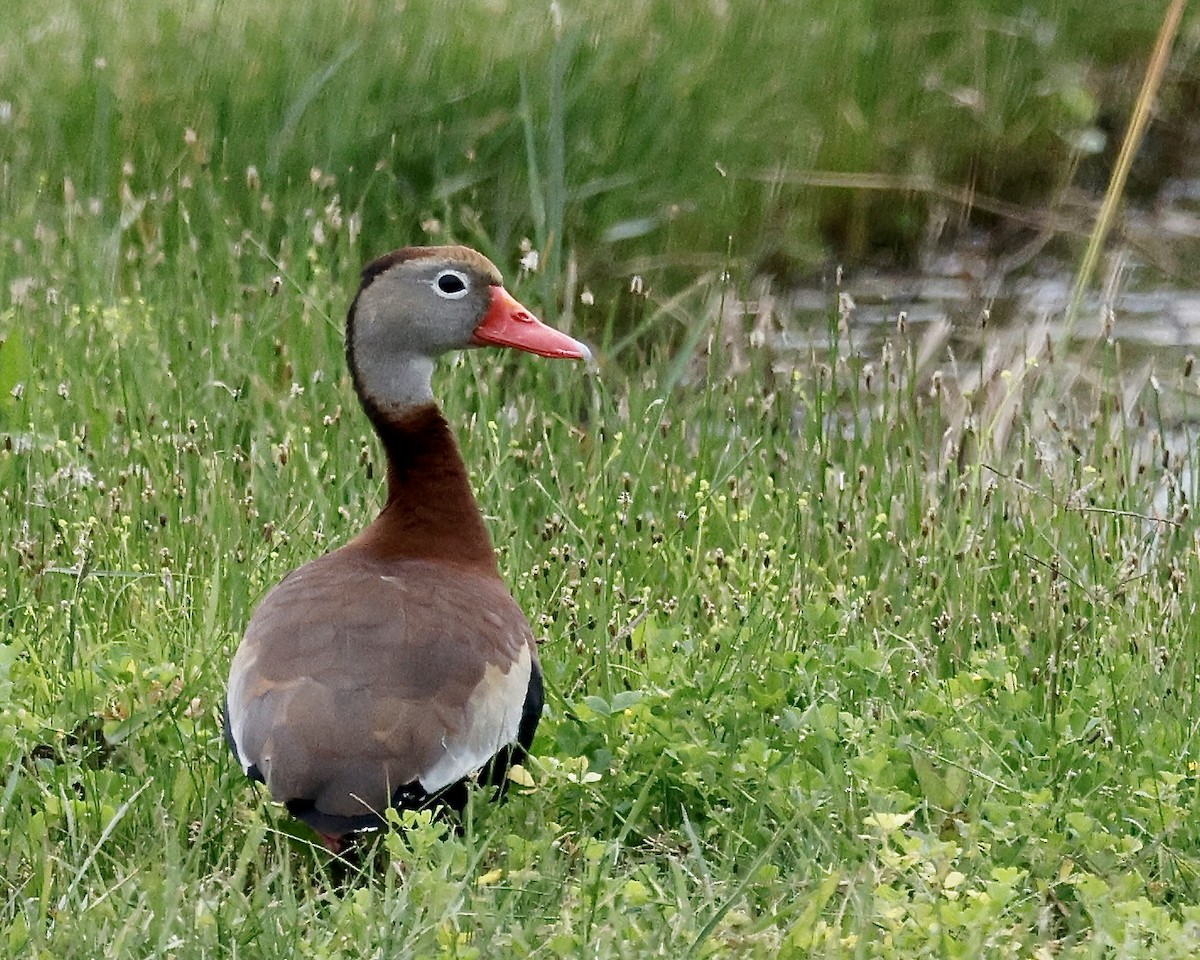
{"points": [[1147, 300], [972, 318]]}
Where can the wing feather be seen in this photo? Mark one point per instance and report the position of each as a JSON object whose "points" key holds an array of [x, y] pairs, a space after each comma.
{"points": [[355, 679]]}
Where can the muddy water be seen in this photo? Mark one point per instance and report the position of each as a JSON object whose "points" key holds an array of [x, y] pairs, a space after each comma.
{"points": [[1147, 292], [971, 313]]}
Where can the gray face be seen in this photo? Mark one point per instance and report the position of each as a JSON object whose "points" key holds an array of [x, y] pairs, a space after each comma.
{"points": [[423, 306], [413, 306]]}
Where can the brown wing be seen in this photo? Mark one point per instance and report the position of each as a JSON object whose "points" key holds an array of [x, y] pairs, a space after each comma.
{"points": [[356, 678]]}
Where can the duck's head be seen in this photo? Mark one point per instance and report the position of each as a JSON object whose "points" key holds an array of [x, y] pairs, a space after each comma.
{"points": [[420, 302]]}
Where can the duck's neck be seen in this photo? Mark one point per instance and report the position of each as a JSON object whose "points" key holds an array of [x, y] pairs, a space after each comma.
{"points": [[403, 377], [430, 511]]}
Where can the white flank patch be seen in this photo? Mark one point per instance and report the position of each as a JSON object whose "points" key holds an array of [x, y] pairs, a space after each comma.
{"points": [[495, 710], [243, 661]]}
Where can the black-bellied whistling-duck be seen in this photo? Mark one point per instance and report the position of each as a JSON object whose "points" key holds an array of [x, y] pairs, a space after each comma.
{"points": [[390, 671]]}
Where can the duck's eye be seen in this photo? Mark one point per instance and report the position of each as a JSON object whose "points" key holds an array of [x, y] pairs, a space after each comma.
{"points": [[450, 284]]}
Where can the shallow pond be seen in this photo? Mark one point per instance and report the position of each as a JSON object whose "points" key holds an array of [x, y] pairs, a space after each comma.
{"points": [[970, 318], [1146, 297]]}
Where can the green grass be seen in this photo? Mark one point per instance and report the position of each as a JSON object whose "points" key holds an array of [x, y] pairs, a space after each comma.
{"points": [[819, 680], [623, 136], [850, 659]]}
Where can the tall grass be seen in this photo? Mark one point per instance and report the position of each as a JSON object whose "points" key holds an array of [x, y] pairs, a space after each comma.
{"points": [[624, 135]]}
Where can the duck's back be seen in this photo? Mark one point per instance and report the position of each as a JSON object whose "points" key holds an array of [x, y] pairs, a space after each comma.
{"points": [[362, 683]]}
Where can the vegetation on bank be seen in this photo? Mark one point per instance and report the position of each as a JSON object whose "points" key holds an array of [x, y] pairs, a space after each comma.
{"points": [[625, 136]]}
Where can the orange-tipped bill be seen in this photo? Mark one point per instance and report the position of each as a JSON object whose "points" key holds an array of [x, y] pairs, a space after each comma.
{"points": [[508, 324]]}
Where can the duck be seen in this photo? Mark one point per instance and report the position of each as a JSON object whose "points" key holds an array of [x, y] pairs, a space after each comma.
{"points": [[397, 669]]}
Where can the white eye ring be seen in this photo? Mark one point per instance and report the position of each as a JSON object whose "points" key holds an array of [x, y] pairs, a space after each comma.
{"points": [[451, 285]]}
